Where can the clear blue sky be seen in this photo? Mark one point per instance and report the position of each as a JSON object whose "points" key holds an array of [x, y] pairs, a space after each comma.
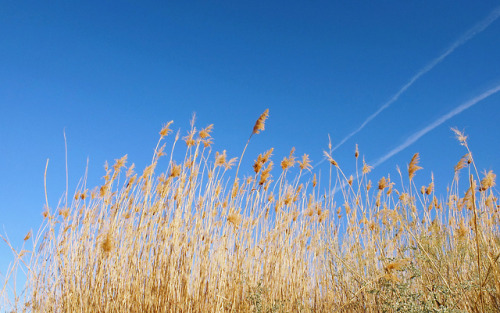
{"points": [[111, 73]]}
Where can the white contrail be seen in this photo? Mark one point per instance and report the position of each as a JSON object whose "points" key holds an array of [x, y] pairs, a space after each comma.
{"points": [[459, 109], [436, 123], [479, 27]]}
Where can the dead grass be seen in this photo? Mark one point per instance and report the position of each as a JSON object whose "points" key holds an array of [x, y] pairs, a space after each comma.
{"points": [[195, 239]]}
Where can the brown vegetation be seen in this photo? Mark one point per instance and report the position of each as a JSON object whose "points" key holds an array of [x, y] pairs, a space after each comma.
{"points": [[193, 239]]}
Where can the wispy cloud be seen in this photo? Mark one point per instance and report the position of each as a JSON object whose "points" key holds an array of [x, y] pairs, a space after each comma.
{"points": [[479, 27], [436, 123]]}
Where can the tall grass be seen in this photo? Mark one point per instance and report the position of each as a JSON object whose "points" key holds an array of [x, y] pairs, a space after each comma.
{"points": [[196, 239]]}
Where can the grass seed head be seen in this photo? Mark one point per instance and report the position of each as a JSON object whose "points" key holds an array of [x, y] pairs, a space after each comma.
{"points": [[261, 122], [207, 142], [462, 163], [488, 181], [430, 188], [266, 174], [205, 132], [166, 129], [234, 219], [306, 163], [108, 243], [230, 163], [220, 158], [382, 183], [189, 138], [119, 163], [257, 166], [413, 167], [460, 136], [366, 168], [175, 170], [28, 235], [330, 159], [288, 161]]}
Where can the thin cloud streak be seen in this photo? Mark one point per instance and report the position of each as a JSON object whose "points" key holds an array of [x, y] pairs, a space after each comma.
{"points": [[413, 138], [436, 123], [479, 27]]}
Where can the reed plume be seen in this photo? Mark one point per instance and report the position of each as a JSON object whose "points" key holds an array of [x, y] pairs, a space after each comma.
{"points": [[192, 238]]}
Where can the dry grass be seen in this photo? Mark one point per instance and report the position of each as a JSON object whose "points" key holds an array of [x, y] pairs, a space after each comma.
{"points": [[193, 239]]}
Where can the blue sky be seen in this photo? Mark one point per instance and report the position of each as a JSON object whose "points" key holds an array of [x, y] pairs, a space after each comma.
{"points": [[110, 74]]}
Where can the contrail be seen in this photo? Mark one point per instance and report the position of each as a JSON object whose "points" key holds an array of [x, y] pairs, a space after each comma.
{"points": [[479, 27], [459, 109], [436, 123]]}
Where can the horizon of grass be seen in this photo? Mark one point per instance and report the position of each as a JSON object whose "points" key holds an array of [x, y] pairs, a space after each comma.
{"points": [[196, 239]]}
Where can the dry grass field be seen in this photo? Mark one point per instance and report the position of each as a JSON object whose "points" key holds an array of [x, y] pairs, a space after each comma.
{"points": [[196, 239]]}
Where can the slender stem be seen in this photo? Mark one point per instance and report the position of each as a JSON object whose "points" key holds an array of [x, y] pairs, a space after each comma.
{"points": [[241, 157], [477, 240]]}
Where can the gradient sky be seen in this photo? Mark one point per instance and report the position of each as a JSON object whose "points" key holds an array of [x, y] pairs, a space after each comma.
{"points": [[110, 74]]}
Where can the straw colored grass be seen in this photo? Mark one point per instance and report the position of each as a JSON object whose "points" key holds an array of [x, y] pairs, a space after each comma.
{"points": [[194, 238]]}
